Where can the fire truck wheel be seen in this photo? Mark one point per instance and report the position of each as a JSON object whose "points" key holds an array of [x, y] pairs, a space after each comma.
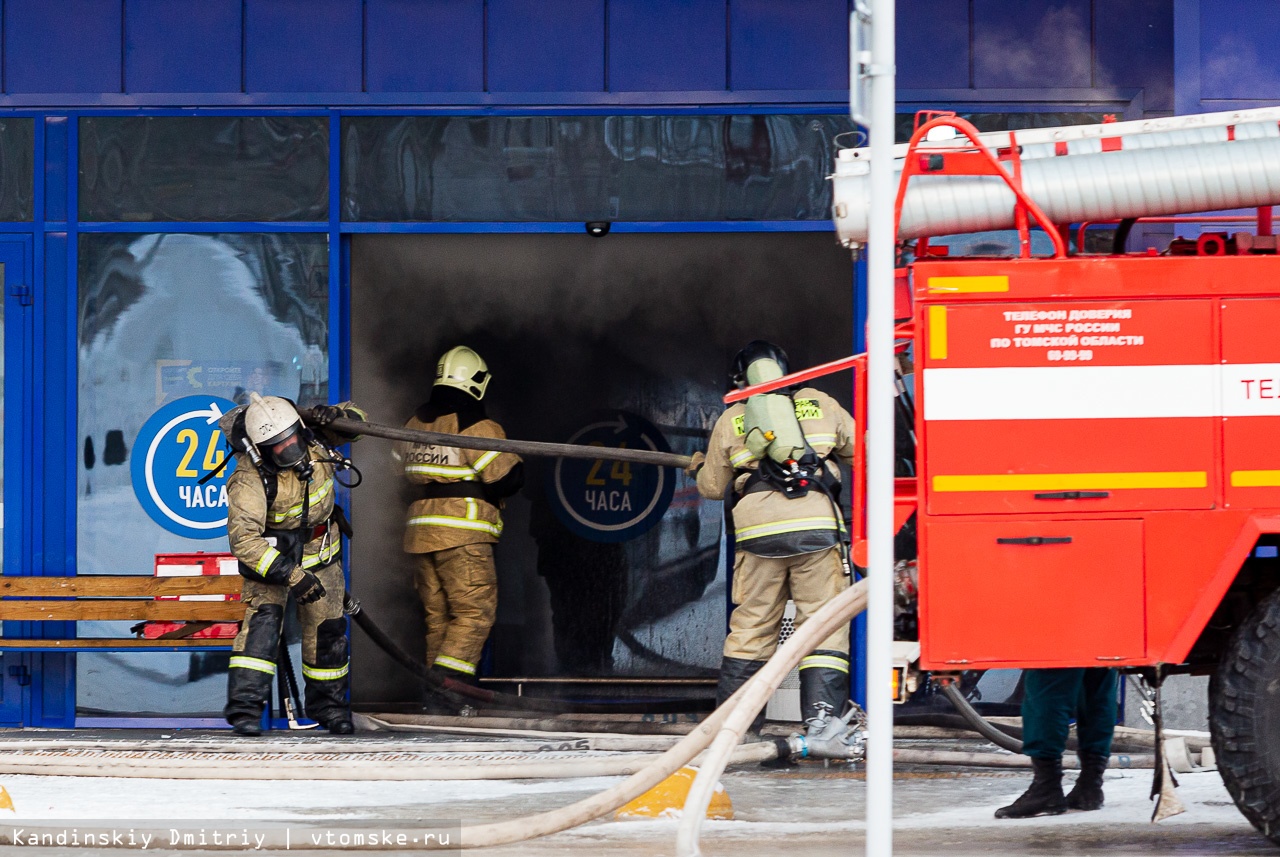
{"points": [[1244, 717]]}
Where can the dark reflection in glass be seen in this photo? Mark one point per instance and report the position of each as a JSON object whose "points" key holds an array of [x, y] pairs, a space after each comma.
{"points": [[211, 168], [17, 169], [589, 167], [904, 123]]}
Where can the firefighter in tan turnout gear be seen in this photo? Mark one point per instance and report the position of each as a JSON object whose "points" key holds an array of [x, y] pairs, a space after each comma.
{"points": [[455, 515], [775, 462], [287, 534]]}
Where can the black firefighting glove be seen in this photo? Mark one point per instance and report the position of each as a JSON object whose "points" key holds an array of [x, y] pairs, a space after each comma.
{"points": [[305, 587], [322, 415]]}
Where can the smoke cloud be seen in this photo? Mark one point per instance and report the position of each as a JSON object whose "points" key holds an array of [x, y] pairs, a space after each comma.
{"points": [[568, 324]]}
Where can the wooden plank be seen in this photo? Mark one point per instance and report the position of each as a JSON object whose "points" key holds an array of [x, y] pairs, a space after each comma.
{"points": [[114, 643], [123, 609], [117, 586]]}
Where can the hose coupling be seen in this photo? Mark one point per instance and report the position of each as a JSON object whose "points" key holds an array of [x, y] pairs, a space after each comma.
{"points": [[829, 737], [350, 604]]}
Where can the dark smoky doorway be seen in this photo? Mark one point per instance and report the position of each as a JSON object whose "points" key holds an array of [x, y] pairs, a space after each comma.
{"points": [[573, 326]]}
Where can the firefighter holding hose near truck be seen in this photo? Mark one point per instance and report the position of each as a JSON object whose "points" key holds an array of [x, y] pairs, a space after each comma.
{"points": [[455, 517], [286, 531], [775, 462]]}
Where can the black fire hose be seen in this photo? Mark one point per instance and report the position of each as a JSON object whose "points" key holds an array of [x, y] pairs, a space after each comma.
{"points": [[503, 444], [952, 692], [461, 693]]}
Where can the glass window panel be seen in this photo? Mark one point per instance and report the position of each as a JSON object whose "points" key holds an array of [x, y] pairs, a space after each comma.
{"points": [[162, 317], [17, 169], [209, 168], [537, 168], [905, 122]]}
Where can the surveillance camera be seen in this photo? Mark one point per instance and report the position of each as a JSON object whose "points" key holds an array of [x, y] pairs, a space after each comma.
{"points": [[597, 228]]}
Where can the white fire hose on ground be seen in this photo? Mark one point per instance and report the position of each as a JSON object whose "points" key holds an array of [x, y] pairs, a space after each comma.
{"points": [[753, 697], [839, 611]]}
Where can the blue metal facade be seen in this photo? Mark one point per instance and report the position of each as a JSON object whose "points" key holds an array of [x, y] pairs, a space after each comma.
{"points": [[63, 59]]}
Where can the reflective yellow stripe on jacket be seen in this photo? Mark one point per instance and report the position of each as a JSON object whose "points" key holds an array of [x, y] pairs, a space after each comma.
{"points": [[269, 556], [313, 500], [444, 471], [324, 557], [485, 460], [457, 524], [790, 525]]}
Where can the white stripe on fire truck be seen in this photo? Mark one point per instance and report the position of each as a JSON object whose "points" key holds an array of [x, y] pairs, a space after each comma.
{"points": [[1102, 392], [1072, 392]]}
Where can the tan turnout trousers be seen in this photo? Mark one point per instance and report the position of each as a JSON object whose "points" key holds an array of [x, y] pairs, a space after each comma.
{"points": [[761, 587], [457, 587]]}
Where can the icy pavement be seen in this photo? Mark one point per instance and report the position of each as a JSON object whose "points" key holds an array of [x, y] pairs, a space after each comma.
{"points": [[806, 811]]}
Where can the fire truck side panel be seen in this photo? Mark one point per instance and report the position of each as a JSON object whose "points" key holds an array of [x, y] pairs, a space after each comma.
{"points": [[1031, 590], [1037, 466], [1080, 278], [1191, 560], [1028, 404], [1251, 402], [1159, 453]]}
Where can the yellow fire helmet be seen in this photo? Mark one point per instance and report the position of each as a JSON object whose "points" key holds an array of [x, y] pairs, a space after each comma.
{"points": [[464, 370]]}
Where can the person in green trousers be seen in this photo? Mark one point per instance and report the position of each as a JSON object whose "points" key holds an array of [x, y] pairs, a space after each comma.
{"points": [[1051, 698]]}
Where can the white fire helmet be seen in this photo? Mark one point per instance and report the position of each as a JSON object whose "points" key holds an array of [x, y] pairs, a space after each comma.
{"points": [[269, 421], [463, 369]]}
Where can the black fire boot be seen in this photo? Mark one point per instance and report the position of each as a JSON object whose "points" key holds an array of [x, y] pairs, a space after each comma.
{"points": [[1045, 795], [329, 679], [435, 703], [252, 671], [734, 673], [824, 685], [248, 689], [1086, 795], [248, 727]]}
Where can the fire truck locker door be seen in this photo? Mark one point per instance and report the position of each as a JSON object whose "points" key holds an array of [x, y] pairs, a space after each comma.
{"points": [[1031, 593], [1069, 407], [1251, 402]]}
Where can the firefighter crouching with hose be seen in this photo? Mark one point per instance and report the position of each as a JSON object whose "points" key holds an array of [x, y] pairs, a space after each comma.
{"points": [[286, 531], [775, 462], [455, 518]]}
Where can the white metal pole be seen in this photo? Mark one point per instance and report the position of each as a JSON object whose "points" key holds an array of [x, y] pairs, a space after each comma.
{"points": [[880, 409]]}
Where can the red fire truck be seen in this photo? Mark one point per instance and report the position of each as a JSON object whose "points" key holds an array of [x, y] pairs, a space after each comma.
{"points": [[1096, 479]]}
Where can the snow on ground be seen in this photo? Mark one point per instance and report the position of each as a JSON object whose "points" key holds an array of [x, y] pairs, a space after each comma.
{"points": [[1127, 803], [313, 800]]}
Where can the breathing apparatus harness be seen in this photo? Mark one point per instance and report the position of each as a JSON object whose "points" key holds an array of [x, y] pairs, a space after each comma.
{"points": [[786, 461]]}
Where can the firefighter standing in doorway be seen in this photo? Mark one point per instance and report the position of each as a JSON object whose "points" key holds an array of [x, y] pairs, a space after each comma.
{"points": [[1051, 698], [286, 531], [455, 519], [787, 529]]}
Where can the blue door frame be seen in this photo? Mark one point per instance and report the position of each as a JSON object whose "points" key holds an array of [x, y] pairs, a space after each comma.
{"points": [[21, 675]]}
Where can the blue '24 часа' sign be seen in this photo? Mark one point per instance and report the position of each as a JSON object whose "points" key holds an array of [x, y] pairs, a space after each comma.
{"points": [[612, 501], [177, 446]]}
